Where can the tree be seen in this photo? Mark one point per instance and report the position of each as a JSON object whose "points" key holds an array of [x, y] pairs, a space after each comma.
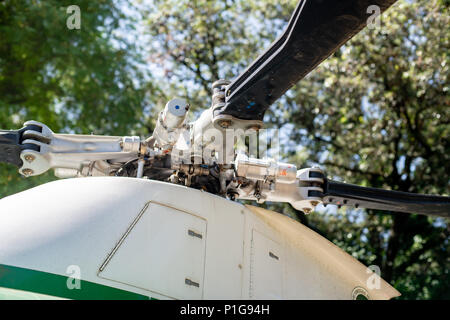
{"points": [[81, 81], [375, 113]]}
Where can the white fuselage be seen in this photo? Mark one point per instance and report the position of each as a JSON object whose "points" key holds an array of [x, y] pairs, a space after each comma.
{"points": [[150, 239]]}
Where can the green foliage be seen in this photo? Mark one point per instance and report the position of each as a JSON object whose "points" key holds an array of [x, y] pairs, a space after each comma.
{"points": [[376, 113], [194, 43], [80, 81]]}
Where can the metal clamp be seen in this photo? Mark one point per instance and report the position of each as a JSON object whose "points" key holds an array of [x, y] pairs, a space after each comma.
{"points": [[69, 153]]}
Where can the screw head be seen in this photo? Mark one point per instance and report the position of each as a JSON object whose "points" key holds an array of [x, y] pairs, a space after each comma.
{"points": [[29, 157], [314, 203], [306, 210], [225, 123], [27, 172]]}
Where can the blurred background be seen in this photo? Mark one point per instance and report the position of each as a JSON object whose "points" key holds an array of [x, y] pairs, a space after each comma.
{"points": [[376, 113]]}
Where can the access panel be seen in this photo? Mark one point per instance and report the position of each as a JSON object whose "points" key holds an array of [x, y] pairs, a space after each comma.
{"points": [[164, 252]]}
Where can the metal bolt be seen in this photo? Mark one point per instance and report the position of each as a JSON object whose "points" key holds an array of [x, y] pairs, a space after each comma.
{"points": [[314, 203], [225, 123], [256, 128], [306, 210], [29, 157], [27, 172], [143, 149]]}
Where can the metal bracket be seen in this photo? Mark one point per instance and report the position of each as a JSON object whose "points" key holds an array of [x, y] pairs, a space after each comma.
{"points": [[42, 150]]}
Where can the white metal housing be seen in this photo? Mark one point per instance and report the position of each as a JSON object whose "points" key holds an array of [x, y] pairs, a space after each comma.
{"points": [[167, 241]]}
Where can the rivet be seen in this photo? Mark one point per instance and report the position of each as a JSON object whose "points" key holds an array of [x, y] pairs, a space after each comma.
{"points": [[27, 172], [225, 123], [30, 158]]}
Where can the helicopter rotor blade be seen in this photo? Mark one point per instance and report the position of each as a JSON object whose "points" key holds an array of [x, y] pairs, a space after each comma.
{"points": [[316, 29], [339, 193]]}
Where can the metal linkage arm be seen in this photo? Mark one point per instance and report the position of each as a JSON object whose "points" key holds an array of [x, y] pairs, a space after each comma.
{"points": [[72, 154], [267, 180]]}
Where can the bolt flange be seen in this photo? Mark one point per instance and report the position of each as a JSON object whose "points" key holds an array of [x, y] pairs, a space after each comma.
{"points": [[314, 203], [225, 123], [30, 158], [27, 172]]}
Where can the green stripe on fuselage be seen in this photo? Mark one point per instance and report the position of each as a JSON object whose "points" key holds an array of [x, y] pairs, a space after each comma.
{"points": [[56, 285]]}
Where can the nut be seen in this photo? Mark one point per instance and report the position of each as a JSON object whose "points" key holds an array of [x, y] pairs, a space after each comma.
{"points": [[27, 172], [225, 123], [256, 128], [29, 157], [143, 149]]}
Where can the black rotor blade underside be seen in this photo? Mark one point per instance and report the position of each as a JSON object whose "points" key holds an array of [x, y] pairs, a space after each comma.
{"points": [[316, 29], [371, 198], [11, 145]]}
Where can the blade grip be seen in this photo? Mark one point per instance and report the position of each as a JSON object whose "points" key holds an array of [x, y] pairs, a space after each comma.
{"points": [[372, 198]]}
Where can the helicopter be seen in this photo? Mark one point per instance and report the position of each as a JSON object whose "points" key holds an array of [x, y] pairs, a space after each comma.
{"points": [[159, 218]]}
